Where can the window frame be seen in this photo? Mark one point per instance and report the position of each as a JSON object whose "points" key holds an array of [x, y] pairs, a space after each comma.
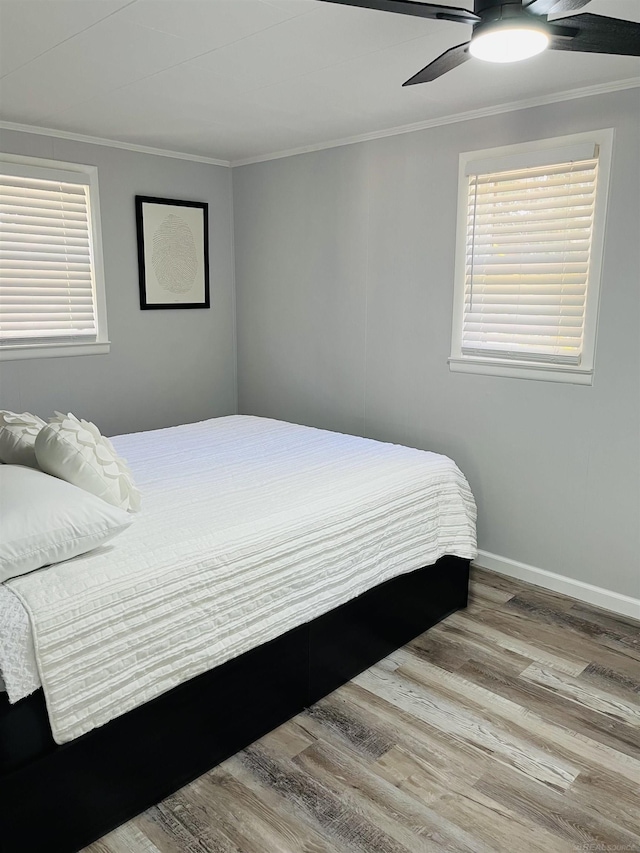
{"points": [[38, 168], [501, 159]]}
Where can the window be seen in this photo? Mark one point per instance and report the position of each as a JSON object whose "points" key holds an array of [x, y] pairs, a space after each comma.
{"points": [[51, 281], [530, 237]]}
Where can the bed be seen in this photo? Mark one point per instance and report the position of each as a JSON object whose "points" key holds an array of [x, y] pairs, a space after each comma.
{"points": [[270, 564]]}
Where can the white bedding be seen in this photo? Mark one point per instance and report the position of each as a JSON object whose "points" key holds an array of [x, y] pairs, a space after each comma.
{"points": [[18, 668], [249, 527]]}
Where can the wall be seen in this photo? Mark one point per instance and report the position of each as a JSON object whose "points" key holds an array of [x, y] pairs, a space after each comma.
{"points": [[344, 271], [167, 366]]}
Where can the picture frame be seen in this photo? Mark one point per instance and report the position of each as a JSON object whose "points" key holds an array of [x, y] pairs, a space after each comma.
{"points": [[173, 253]]}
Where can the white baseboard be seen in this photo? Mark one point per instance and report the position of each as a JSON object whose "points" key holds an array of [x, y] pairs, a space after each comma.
{"points": [[625, 605]]}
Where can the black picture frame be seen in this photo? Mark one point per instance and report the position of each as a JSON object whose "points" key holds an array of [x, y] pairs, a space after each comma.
{"points": [[178, 249]]}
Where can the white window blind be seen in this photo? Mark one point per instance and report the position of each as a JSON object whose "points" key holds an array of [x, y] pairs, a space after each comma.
{"points": [[528, 246], [47, 284]]}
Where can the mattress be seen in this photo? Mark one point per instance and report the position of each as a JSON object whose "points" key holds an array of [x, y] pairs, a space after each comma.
{"points": [[249, 528]]}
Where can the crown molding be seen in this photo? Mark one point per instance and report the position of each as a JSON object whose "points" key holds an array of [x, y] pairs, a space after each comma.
{"points": [[483, 112], [110, 143]]}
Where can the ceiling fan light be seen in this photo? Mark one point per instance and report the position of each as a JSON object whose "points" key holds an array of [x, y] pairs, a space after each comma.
{"points": [[507, 44]]}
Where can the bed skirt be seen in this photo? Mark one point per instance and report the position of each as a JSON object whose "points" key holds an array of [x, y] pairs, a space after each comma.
{"points": [[61, 798]]}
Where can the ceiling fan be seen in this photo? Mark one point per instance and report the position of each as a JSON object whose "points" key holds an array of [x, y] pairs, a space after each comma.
{"points": [[510, 30]]}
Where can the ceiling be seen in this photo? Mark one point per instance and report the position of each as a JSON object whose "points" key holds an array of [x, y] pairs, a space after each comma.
{"points": [[241, 79]]}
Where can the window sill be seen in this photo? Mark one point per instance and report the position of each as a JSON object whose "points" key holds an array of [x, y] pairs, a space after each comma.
{"points": [[522, 370], [9, 353]]}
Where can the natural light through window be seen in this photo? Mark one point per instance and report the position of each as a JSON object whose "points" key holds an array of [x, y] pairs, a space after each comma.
{"points": [[51, 293], [529, 257]]}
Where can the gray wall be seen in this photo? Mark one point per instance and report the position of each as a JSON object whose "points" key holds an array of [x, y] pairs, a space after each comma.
{"points": [[344, 273], [166, 366]]}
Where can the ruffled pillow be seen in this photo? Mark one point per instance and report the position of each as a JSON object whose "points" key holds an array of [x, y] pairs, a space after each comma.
{"points": [[76, 451], [18, 437]]}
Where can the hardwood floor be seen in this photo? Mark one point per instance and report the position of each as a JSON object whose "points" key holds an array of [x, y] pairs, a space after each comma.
{"points": [[511, 726]]}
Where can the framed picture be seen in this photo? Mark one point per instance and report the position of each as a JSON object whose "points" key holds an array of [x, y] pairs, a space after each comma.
{"points": [[173, 252]]}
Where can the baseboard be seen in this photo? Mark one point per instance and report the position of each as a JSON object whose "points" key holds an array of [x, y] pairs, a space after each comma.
{"points": [[625, 605]]}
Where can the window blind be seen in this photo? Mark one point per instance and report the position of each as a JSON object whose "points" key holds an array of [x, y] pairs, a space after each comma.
{"points": [[47, 292], [528, 247]]}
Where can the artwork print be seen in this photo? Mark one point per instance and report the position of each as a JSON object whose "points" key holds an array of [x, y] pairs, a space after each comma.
{"points": [[173, 253]]}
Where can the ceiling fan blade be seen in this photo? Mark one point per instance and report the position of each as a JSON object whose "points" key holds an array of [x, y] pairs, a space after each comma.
{"points": [[599, 34], [447, 61], [420, 10], [555, 7]]}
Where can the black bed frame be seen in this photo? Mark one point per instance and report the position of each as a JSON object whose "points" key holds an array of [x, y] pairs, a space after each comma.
{"points": [[60, 798]]}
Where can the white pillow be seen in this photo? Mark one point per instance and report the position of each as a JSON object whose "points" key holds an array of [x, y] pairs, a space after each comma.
{"points": [[18, 437], [76, 451], [44, 520]]}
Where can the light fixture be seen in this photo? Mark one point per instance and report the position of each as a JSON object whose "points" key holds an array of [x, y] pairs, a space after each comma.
{"points": [[507, 41]]}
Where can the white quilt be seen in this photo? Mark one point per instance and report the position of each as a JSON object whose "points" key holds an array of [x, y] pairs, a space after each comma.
{"points": [[249, 527], [18, 668]]}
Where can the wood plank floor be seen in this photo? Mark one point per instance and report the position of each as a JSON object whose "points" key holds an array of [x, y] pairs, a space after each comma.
{"points": [[511, 726]]}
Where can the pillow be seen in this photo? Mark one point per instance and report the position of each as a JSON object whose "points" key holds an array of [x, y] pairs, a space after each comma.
{"points": [[18, 437], [76, 451], [44, 520]]}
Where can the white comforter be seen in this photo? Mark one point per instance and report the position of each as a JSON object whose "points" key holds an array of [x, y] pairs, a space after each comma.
{"points": [[249, 528]]}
